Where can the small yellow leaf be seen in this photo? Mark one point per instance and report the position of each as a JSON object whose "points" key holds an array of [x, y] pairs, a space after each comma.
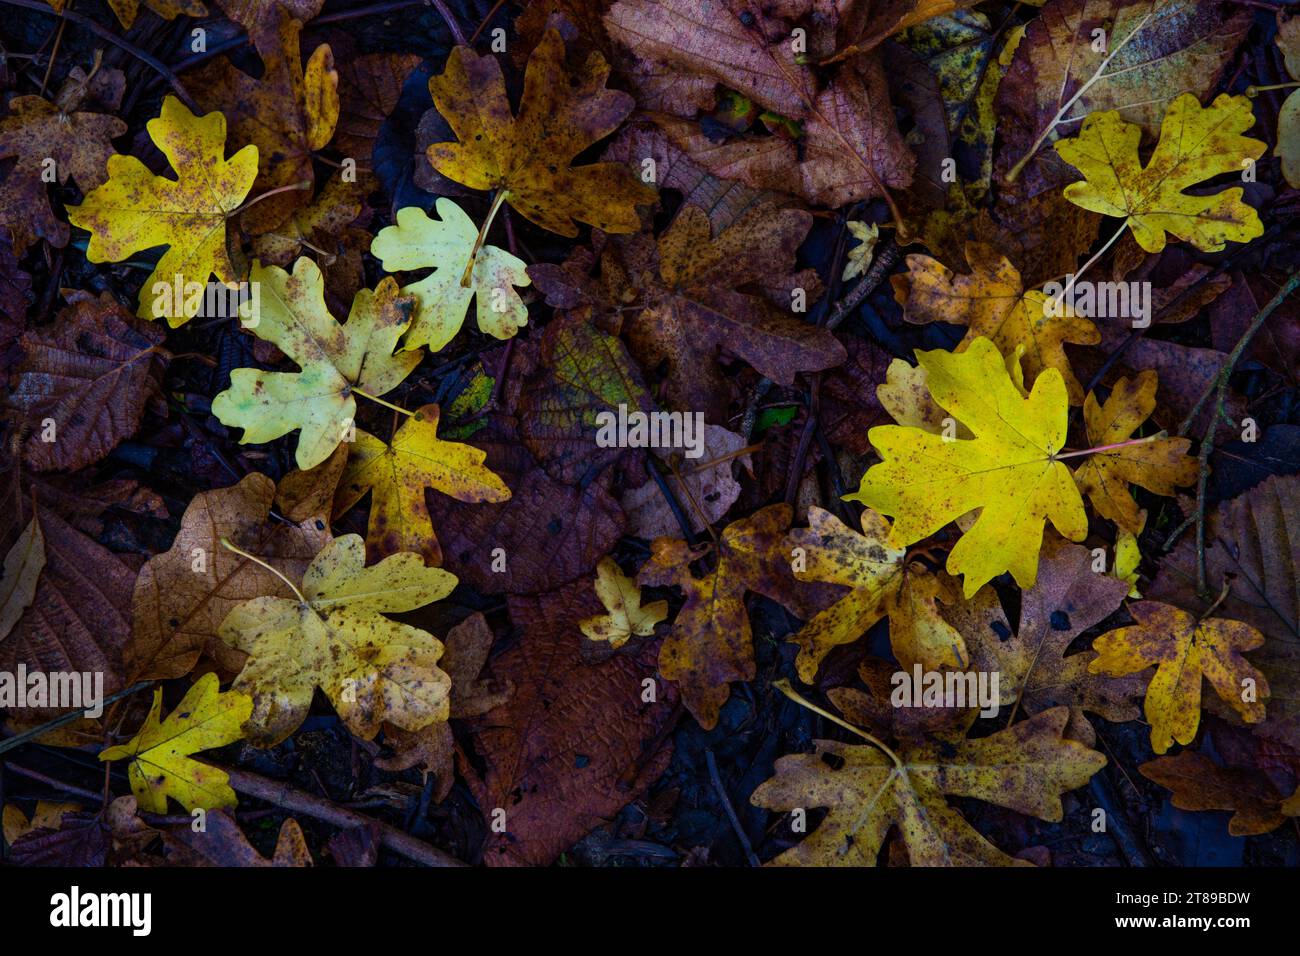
{"points": [[397, 474], [160, 766], [136, 210], [1183, 650], [622, 599], [1196, 143]]}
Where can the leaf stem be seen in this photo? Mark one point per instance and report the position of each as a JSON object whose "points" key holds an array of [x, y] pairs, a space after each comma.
{"points": [[1092, 260], [225, 543], [1059, 118], [784, 687], [292, 187], [379, 401], [1253, 91], [497, 200], [1100, 448]]}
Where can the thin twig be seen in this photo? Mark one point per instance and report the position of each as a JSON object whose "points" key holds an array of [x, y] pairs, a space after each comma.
{"points": [[106, 34], [9, 743], [731, 811], [299, 801]]}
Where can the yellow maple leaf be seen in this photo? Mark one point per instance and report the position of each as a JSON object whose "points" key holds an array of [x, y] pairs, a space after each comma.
{"points": [[527, 157], [334, 636], [1160, 465], [337, 361], [869, 790], [446, 244], [883, 585], [1196, 143], [160, 766], [136, 210], [622, 599], [1183, 650], [1008, 469], [397, 475], [992, 302]]}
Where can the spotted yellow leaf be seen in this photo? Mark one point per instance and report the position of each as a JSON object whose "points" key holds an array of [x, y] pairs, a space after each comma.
{"points": [[160, 753]]}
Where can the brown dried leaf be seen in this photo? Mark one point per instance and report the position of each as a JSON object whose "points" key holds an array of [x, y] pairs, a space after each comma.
{"points": [[90, 373]]}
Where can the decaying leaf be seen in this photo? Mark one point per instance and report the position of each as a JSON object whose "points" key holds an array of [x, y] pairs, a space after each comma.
{"points": [[528, 155], [1184, 649], [555, 778], [1025, 767], [1198, 783], [1160, 465], [711, 643], [287, 113], [42, 137], [333, 635], [992, 302], [83, 383], [691, 293], [222, 843], [182, 595], [1035, 670], [22, 569], [397, 475]]}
